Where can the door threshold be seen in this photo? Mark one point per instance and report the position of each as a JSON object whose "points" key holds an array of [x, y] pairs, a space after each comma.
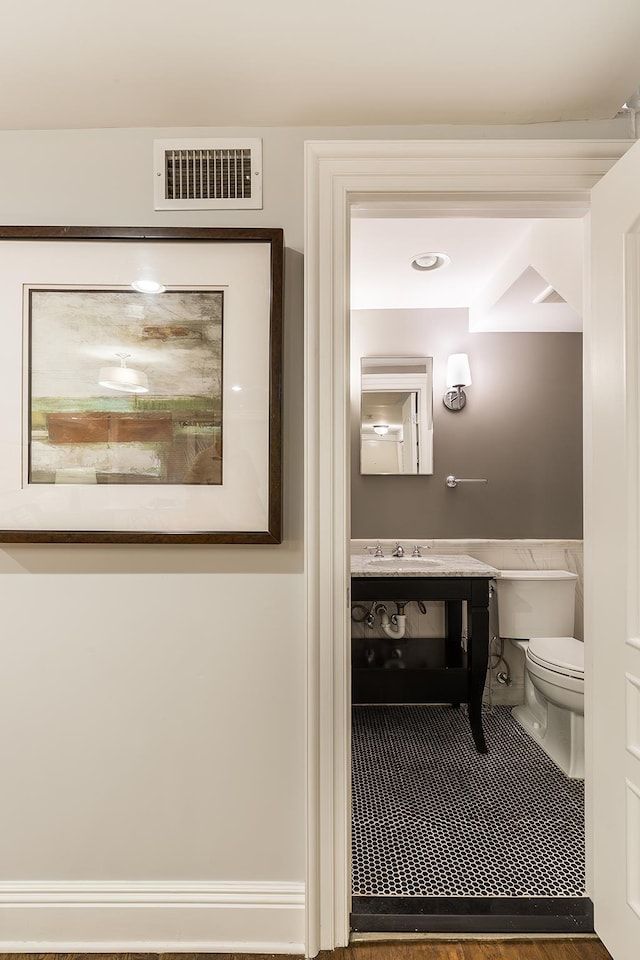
{"points": [[460, 937], [472, 915]]}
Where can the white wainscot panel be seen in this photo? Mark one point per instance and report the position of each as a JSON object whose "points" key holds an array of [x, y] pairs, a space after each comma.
{"points": [[633, 847]]}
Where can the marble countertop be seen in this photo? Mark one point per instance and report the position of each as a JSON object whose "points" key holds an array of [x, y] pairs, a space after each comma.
{"points": [[436, 565]]}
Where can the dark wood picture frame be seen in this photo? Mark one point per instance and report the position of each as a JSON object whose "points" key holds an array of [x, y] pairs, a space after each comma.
{"points": [[194, 238]]}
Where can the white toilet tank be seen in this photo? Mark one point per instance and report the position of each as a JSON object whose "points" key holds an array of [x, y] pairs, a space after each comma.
{"points": [[536, 603]]}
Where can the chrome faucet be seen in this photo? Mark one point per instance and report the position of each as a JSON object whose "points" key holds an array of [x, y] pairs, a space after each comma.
{"points": [[399, 550], [378, 550], [418, 547]]}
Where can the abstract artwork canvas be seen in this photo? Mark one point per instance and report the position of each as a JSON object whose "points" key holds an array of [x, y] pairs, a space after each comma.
{"points": [[125, 387]]}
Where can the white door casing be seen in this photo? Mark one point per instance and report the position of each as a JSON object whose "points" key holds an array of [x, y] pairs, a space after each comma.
{"points": [[464, 178], [612, 554]]}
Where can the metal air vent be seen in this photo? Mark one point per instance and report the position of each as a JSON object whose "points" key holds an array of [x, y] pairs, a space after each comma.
{"points": [[208, 174]]}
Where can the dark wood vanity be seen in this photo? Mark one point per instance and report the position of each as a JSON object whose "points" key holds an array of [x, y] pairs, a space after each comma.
{"points": [[452, 673]]}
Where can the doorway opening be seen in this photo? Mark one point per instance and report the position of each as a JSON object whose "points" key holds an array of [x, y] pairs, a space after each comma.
{"points": [[533, 177], [445, 839]]}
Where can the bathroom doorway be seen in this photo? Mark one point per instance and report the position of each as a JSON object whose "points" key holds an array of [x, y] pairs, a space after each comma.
{"points": [[443, 839], [565, 178]]}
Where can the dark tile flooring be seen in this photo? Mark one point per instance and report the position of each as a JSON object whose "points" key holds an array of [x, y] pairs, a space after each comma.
{"points": [[433, 818]]}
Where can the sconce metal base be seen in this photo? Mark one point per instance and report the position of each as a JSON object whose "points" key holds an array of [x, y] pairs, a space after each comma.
{"points": [[455, 399]]}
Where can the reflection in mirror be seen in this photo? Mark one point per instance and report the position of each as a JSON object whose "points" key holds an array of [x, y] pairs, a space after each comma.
{"points": [[396, 418]]}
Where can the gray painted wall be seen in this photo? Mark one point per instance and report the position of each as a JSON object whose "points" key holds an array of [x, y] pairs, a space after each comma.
{"points": [[521, 430]]}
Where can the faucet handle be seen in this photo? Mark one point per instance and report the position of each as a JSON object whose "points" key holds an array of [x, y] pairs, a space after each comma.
{"points": [[377, 550], [418, 547]]}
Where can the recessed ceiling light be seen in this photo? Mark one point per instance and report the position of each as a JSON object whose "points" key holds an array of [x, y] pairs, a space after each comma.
{"points": [[148, 286], [430, 261]]}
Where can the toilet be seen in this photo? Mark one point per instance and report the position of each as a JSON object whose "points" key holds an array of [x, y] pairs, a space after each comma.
{"points": [[536, 612]]}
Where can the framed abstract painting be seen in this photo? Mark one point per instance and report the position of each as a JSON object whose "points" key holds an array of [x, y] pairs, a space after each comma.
{"points": [[141, 384]]}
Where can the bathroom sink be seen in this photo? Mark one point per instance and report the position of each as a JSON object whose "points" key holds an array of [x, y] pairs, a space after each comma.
{"points": [[437, 565], [399, 561]]}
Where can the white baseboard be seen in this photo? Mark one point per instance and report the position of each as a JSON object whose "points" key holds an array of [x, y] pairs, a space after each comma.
{"points": [[151, 917]]}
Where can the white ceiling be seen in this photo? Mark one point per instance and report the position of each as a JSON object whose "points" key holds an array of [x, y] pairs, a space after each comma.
{"points": [[122, 63], [382, 250], [498, 268]]}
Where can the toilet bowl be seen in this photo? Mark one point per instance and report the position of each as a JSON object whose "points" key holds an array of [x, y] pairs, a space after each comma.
{"points": [[530, 602], [556, 668]]}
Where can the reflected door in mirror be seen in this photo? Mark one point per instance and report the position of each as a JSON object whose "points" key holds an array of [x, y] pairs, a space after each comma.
{"points": [[396, 415]]}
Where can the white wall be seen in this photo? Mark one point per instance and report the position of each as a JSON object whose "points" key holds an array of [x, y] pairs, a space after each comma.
{"points": [[152, 713]]}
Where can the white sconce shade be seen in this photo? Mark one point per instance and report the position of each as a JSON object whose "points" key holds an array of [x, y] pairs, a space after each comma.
{"points": [[381, 429], [458, 370], [458, 376], [123, 378]]}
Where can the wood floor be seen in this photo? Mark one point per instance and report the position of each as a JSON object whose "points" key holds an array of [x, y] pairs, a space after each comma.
{"points": [[580, 949]]}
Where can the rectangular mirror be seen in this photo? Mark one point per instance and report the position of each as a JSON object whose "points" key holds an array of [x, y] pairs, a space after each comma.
{"points": [[396, 415]]}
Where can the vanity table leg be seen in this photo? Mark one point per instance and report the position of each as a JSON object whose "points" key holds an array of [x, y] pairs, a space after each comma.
{"points": [[453, 632], [478, 653]]}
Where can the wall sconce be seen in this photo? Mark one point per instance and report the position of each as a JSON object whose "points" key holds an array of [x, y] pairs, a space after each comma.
{"points": [[458, 376], [381, 429], [123, 377]]}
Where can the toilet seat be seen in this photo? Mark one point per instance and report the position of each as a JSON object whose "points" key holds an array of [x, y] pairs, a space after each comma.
{"points": [[562, 655]]}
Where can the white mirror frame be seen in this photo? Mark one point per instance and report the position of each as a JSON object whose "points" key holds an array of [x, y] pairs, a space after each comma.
{"points": [[405, 383]]}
